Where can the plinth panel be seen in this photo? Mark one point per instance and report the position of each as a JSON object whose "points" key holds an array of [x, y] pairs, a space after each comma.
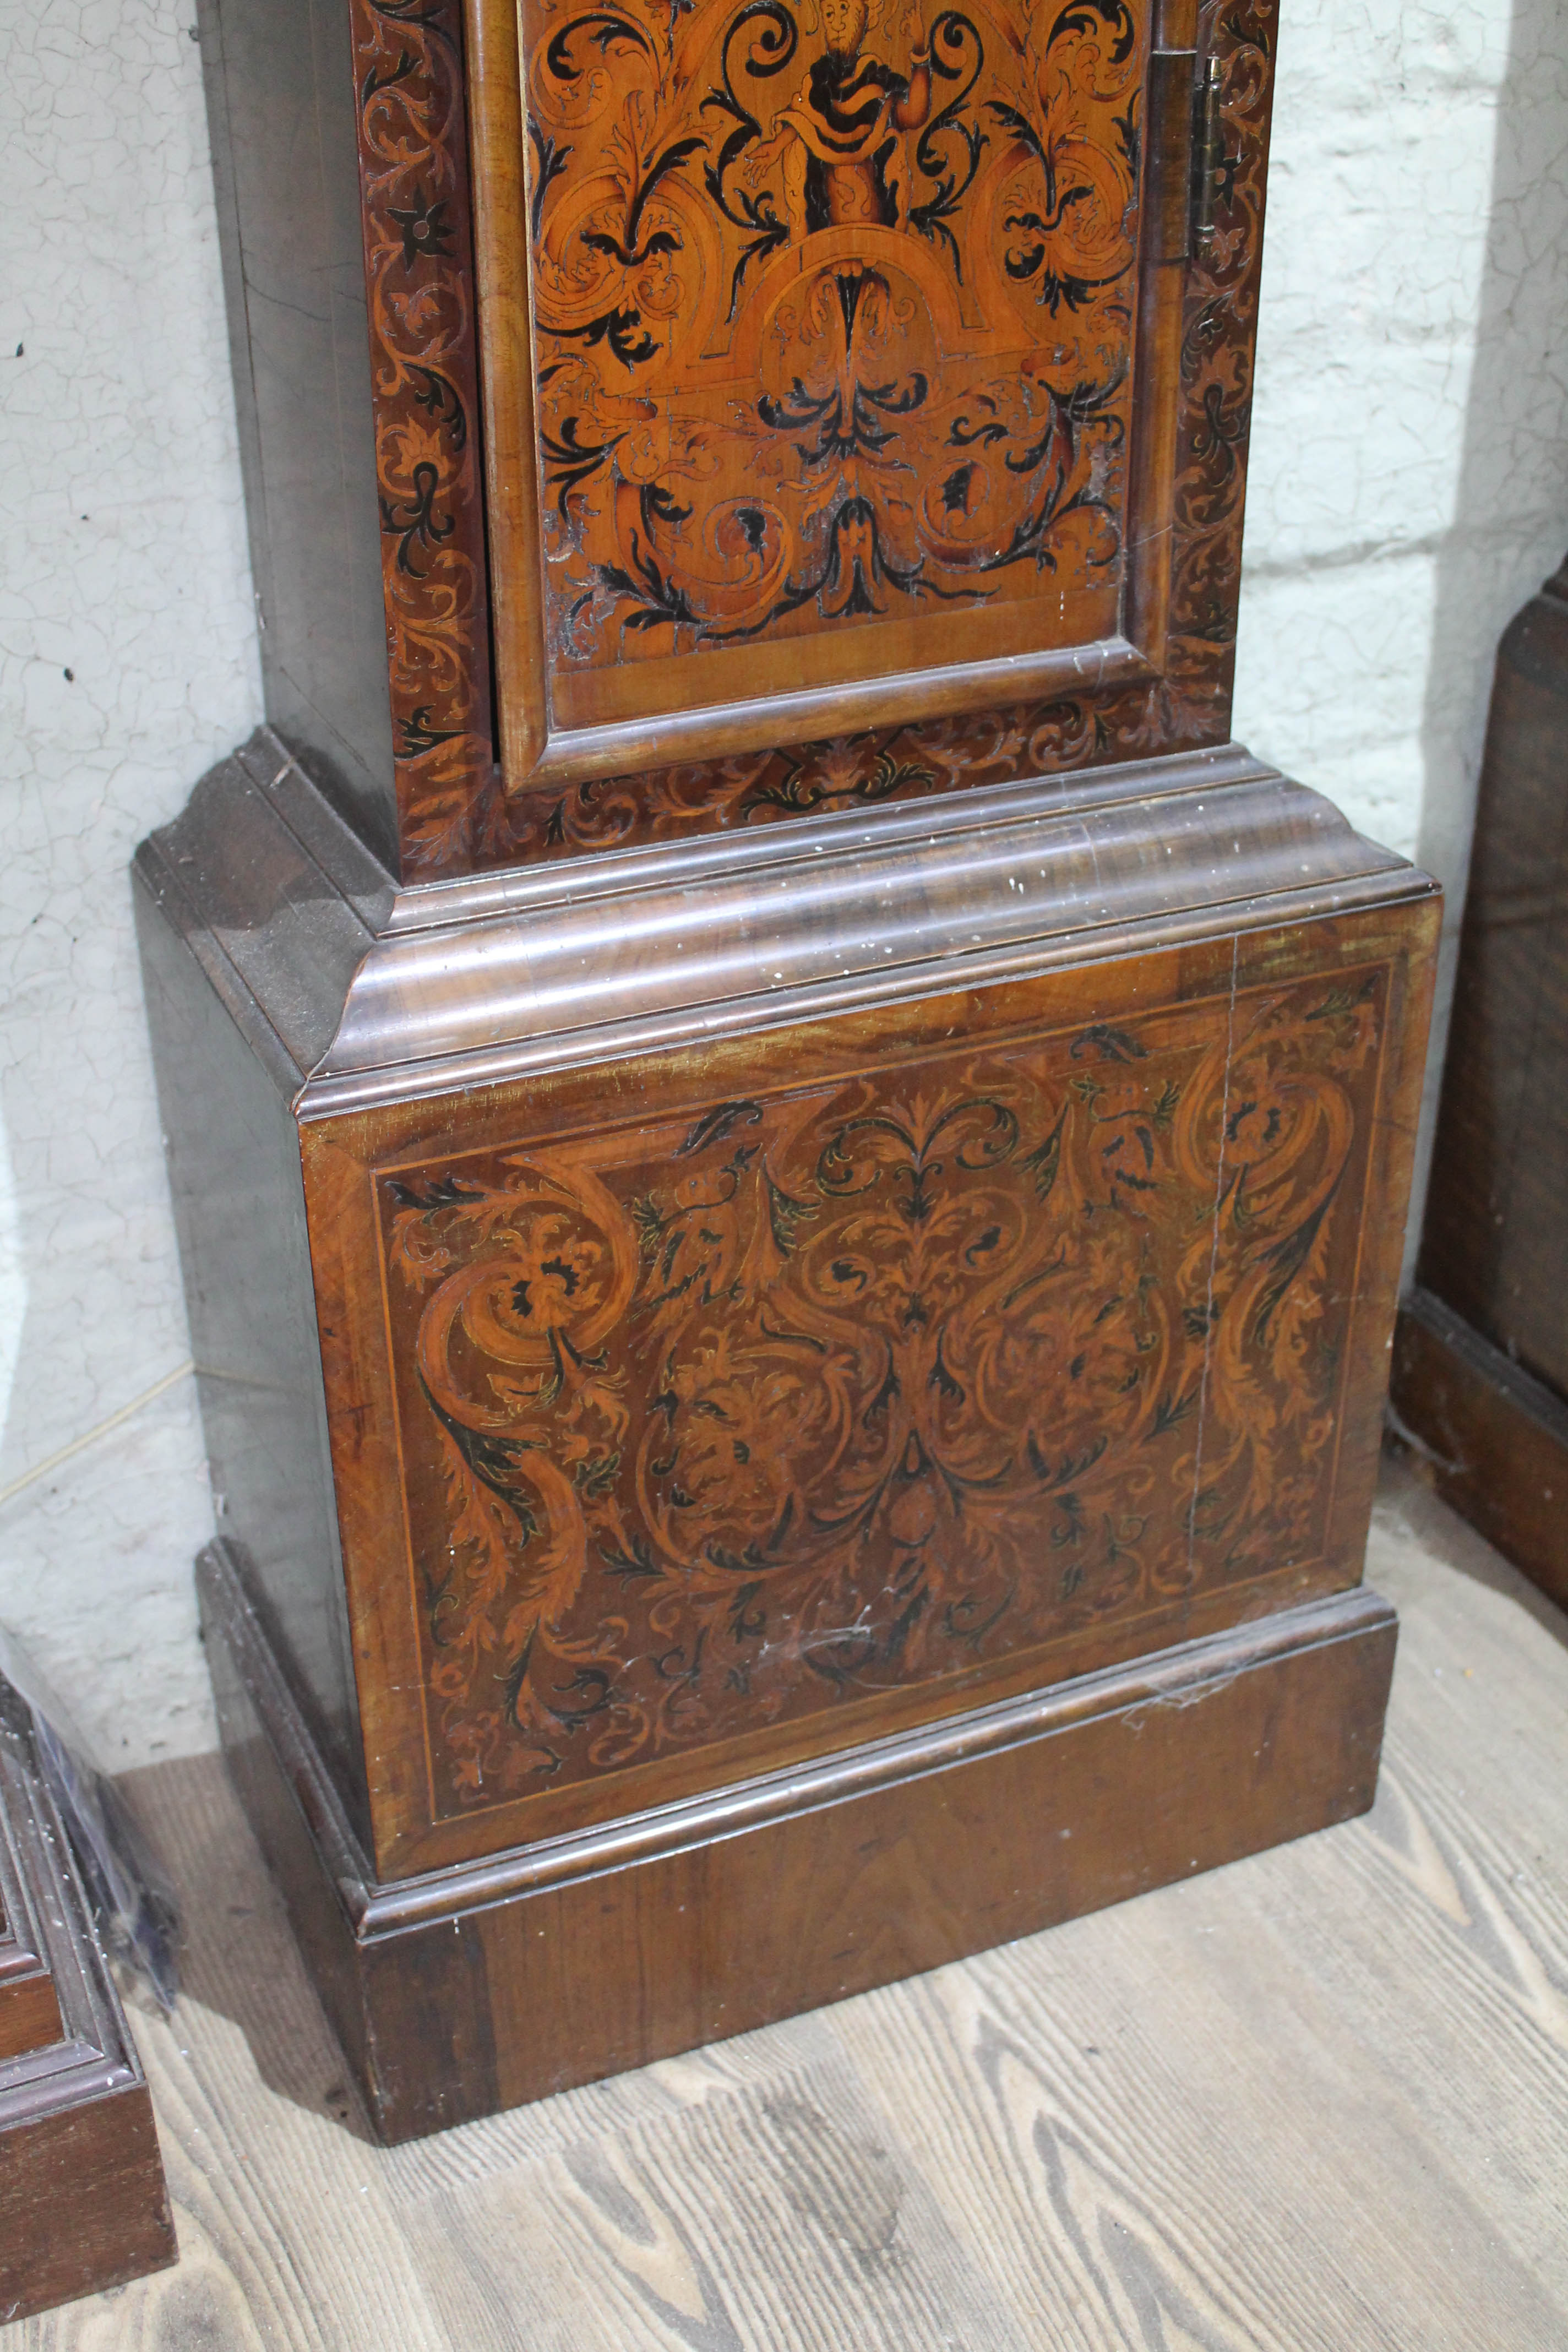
{"points": [[703, 1409]]}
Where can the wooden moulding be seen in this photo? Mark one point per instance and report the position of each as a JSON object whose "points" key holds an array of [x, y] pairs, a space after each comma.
{"points": [[474, 1988], [29, 2005], [82, 2200], [1492, 1439]]}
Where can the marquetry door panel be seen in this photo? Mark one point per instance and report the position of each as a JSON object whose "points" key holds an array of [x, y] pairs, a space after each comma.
{"points": [[787, 422], [855, 425]]}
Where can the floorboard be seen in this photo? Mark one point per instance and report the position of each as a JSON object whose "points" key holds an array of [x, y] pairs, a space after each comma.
{"points": [[1318, 2099]]}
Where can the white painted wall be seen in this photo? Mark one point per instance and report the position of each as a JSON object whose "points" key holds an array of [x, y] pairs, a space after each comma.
{"points": [[1409, 488], [128, 663], [1408, 484]]}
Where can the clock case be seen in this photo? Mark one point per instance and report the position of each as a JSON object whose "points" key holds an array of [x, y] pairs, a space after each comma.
{"points": [[792, 1292]]}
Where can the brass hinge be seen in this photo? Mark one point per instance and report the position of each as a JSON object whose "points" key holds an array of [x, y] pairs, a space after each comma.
{"points": [[1214, 172]]}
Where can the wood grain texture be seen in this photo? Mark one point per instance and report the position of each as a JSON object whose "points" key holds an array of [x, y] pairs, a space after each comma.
{"points": [[417, 194], [778, 407], [82, 2200], [1238, 1060], [234, 1166], [713, 1423], [1122, 645], [861, 418], [1491, 1440], [29, 2013], [1318, 2098], [1495, 1243]]}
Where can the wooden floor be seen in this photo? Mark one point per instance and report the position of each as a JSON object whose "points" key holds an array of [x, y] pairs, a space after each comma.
{"points": [[1319, 2099]]}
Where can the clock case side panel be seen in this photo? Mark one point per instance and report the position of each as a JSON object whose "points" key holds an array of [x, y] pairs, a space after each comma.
{"points": [[1495, 1243], [1165, 686], [227, 1073], [1481, 1366]]}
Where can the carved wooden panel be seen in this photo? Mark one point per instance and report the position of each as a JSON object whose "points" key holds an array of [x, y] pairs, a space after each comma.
{"points": [[715, 1421], [835, 304]]}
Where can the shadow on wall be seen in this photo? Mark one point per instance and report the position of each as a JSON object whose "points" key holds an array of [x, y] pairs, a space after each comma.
{"points": [[1511, 513]]}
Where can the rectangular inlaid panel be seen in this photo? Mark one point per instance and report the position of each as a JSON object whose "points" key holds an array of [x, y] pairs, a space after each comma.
{"points": [[726, 1420], [834, 309]]}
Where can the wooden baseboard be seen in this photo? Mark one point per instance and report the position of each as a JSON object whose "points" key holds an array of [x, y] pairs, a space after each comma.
{"points": [[1493, 1441], [82, 2200], [479, 1987]]}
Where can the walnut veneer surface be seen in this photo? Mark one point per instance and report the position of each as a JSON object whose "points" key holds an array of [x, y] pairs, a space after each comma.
{"points": [[745, 1359], [862, 1288], [1317, 2099]]}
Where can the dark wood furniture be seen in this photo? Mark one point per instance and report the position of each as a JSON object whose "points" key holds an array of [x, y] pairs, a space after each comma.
{"points": [[82, 2201], [1480, 1375], [791, 1181]]}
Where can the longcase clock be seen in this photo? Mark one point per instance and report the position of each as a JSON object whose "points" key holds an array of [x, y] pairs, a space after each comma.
{"points": [[790, 1165]]}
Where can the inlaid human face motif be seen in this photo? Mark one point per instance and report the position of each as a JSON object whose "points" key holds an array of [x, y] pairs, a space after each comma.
{"points": [[844, 25]]}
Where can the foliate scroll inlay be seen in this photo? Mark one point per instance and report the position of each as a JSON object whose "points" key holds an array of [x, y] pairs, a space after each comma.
{"points": [[414, 173], [1183, 708], [799, 1399], [834, 303]]}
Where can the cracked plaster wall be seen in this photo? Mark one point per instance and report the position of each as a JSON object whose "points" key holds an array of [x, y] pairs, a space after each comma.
{"points": [[1409, 488]]}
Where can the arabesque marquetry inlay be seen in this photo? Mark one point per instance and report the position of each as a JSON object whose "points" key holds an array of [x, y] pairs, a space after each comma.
{"points": [[715, 1421], [654, 530], [834, 310]]}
